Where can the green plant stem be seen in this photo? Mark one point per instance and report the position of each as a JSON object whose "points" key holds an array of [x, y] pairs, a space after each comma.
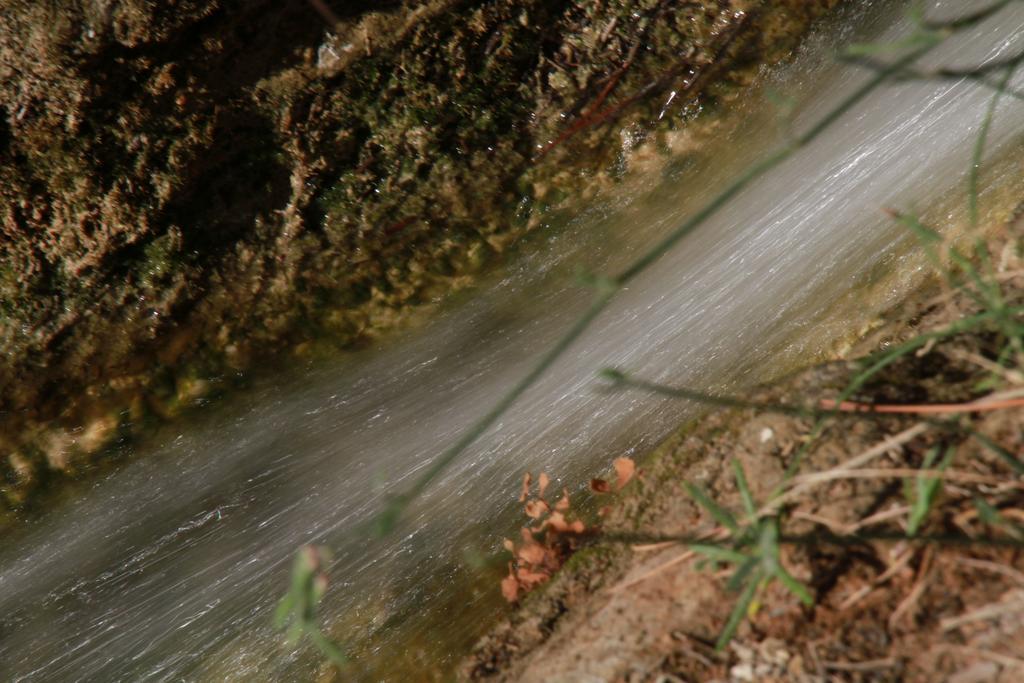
{"points": [[387, 520], [880, 362], [624, 380], [607, 288], [979, 146], [817, 537], [968, 20]]}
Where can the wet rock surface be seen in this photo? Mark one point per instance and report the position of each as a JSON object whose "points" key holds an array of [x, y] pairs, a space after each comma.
{"points": [[189, 187]]}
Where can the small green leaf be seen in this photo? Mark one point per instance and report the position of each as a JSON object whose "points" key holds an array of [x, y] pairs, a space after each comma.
{"points": [[926, 488], [1000, 452], [768, 544], [993, 381], [284, 609], [329, 649], [991, 516], [741, 484], [988, 514], [717, 553], [742, 575], [739, 612], [612, 375], [721, 515], [920, 230], [802, 592], [602, 283]]}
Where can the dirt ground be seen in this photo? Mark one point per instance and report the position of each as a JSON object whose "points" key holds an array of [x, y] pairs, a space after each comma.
{"points": [[190, 189], [886, 608]]}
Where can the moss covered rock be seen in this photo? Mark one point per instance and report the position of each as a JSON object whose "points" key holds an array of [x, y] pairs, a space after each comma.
{"points": [[188, 186]]}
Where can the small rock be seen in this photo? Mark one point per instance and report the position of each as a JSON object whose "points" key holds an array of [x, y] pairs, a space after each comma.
{"points": [[98, 433], [742, 672], [57, 449], [21, 465], [979, 672], [327, 58]]}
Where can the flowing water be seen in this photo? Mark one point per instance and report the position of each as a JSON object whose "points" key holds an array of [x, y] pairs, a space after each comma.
{"points": [[169, 568]]}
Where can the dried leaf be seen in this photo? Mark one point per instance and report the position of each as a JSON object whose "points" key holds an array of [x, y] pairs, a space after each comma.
{"points": [[527, 480], [532, 554], [624, 470], [544, 548], [510, 586], [555, 522], [529, 578], [542, 482], [600, 486], [536, 508]]}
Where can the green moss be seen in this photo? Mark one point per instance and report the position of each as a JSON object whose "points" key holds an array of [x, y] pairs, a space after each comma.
{"points": [[593, 558], [160, 257], [198, 181]]}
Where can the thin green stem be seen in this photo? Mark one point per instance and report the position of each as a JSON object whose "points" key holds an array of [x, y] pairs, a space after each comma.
{"points": [[398, 505], [879, 363], [817, 537], [607, 288], [979, 145], [968, 20], [755, 171], [940, 75], [623, 380]]}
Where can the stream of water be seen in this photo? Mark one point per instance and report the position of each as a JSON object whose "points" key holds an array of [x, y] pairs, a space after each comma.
{"points": [[169, 568]]}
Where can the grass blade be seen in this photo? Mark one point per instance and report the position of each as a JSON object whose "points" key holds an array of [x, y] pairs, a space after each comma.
{"points": [[742, 575], [797, 588], [721, 515], [741, 483], [925, 489], [739, 612], [719, 553]]}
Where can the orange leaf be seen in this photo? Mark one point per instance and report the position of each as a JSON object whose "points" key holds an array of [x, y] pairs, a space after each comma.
{"points": [[527, 480], [536, 508], [509, 545], [624, 470], [600, 486], [563, 503], [510, 587], [529, 578], [556, 522], [532, 554], [542, 481]]}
